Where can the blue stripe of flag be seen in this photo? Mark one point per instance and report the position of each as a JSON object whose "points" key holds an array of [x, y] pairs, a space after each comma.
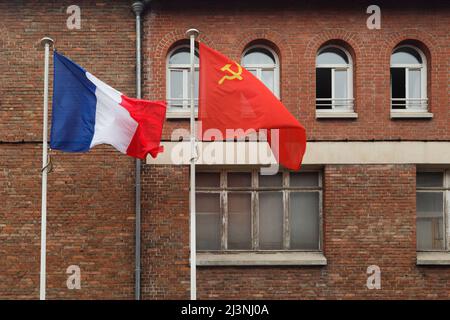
{"points": [[73, 109]]}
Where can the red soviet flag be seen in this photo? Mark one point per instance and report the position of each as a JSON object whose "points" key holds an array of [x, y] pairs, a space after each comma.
{"points": [[233, 98]]}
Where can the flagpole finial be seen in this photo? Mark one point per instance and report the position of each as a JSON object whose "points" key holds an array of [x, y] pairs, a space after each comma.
{"points": [[47, 40], [137, 7], [193, 32]]}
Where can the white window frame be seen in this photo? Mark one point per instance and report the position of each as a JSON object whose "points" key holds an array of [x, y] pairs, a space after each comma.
{"points": [[260, 67], [185, 69], [414, 107], [445, 189], [340, 107]]}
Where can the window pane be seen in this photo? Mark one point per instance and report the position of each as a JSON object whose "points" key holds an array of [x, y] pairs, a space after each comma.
{"points": [[176, 85], [239, 179], [430, 179], [414, 83], [430, 204], [304, 179], [268, 79], [323, 87], [430, 234], [430, 212], [406, 55], [275, 180], [208, 221], [207, 179], [195, 84], [270, 220], [332, 56], [182, 56], [239, 221], [258, 56], [304, 220], [340, 84]]}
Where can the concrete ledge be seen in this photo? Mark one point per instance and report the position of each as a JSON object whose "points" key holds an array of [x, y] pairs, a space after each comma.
{"points": [[433, 258], [409, 115], [317, 153], [262, 259], [216, 153], [180, 115], [336, 115]]}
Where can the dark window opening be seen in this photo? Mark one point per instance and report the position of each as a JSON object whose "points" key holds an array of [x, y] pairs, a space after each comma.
{"points": [[323, 88], [398, 87]]}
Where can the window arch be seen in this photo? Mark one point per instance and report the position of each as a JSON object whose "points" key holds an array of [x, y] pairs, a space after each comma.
{"points": [[408, 79], [334, 79], [178, 80], [263, 63]]}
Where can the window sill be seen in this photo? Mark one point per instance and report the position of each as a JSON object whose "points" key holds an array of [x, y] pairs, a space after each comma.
{"points": [[180, 115], [337, 115], [409, 115], [262, 259], [440, 258]]}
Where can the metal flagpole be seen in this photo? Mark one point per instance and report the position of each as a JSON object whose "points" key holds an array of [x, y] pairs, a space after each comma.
{"points": [[192, 34], [46, 42], [138, 7]]}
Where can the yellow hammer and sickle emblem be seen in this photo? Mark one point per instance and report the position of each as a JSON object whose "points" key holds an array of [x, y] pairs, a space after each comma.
{"points": [[233, 75]]}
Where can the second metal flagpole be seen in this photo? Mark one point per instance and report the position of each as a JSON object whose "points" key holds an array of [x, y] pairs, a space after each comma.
{"points": [[192, 34], [46, 42]]}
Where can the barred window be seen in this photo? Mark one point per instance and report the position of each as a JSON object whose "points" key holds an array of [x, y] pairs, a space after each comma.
{"points": [[243, 210], [263, 63], [432, 210], [334, 80], [408, 79]]}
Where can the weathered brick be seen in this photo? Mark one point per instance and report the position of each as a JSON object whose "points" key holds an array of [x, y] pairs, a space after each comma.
{"points": [[369, 211]]}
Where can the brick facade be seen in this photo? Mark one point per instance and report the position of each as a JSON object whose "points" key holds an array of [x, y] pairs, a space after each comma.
{"points": [[297, 30], [369, 210], [91, 196]]}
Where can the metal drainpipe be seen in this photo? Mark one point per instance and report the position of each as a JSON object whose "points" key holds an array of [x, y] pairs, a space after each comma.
{"points": [[137, 8]]}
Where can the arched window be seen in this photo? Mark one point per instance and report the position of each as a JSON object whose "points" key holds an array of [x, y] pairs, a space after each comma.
{"points": [[334, 80], [178, 81], [263, 62], [408, 79]]}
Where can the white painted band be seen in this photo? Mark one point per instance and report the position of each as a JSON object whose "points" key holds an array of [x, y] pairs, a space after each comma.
{"points": [[317, 153]]}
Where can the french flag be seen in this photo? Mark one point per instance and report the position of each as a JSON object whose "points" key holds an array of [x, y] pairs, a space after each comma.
{"points": [[87, 112]]}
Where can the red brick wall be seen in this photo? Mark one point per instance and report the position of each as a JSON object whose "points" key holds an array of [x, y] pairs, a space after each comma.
{"points": [[165, 232], [369, 214], [91, 196], [369, 211], [297, 29]]}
